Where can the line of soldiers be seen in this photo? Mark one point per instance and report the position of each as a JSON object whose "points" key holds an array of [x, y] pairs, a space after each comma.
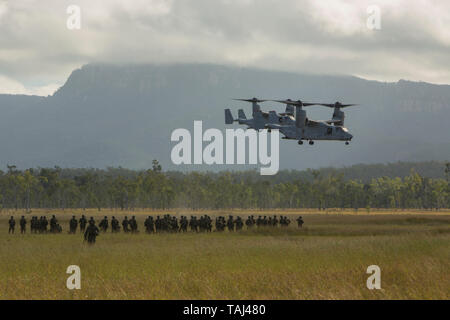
{"points": [[169, 223], [205, 224], [165, 223], [37, 225]]}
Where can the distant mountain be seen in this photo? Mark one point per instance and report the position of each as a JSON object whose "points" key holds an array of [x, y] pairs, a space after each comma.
{"points": [[107, 115]]}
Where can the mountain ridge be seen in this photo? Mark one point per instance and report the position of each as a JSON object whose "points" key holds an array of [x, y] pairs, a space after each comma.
{"points": [[111, 115]]}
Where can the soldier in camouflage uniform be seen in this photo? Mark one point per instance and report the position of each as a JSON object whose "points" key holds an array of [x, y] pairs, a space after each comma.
{"points": [[300, 221], [250, 222], [125, 224], [230, 223], [275, 221], [83, 223], [259, 221], [208, 223], [133, 225], [23, 224], [33, 224], [193, 223], [91, 232], [115, 226], [53, 224], [12, 225], [220, 223], [104, 224], [73, 224], [43, 224], [149, 224], [183, 224], [239, 223]]}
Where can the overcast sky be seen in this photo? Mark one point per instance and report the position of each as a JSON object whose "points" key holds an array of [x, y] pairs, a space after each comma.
{"points": [[38, 51]]}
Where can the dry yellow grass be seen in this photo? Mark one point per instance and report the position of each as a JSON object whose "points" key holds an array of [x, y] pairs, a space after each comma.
{"points": [[325, 260]]}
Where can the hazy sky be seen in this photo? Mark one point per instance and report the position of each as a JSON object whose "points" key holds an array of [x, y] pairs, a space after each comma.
{"points": [[38, 51]]}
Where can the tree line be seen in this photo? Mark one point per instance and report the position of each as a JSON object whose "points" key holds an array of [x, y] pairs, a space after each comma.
{"points": [[125, 189]]}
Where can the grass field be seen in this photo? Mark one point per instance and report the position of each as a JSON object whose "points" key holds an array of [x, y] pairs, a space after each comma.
{"points": [[327, 259]]}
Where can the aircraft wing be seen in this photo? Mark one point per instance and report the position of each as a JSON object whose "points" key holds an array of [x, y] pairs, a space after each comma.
{"points": [[333, 121], [312, 123]]}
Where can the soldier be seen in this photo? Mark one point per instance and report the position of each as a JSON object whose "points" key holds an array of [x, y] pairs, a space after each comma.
{"points": [[32, 224], [104, 224], [91, 232], [53, 224], [173, 223], [43, 224], [249, 222], [300, 221], [125, 224], [12, 225], [73, 224], [239, 224], [158, 224], [165, 223], [82, 222], [219, 223], [183, 224], [23, 224], [284, 221], [193, 223], [115, 225], [133, 225], [287, 221], [208, 223], [149, 225], [259, 221], [230, 223], [275, 221]]}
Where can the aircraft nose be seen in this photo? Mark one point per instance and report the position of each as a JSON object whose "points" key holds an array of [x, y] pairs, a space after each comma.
{"points": [[349, 136]]}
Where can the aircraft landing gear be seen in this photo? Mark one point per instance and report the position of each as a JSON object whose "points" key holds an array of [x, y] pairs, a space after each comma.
{"points": [[347, 143], [311, 142], [300, 142]]}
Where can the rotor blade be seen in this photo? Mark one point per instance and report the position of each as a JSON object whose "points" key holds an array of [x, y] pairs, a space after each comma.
{"points": [[331, 105], [295, 103], [251, 100], [336, 105]]}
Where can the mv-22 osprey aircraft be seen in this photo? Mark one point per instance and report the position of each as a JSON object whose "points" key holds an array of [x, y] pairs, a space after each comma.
{"points": [[295, 126]]}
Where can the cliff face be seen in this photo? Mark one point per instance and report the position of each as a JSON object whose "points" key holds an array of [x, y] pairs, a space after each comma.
{"points": [[108, 115]]}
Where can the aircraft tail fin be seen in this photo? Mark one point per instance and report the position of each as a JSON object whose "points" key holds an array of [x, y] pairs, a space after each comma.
{"points": [[290, 109], [228, 117], [241, 114]]}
